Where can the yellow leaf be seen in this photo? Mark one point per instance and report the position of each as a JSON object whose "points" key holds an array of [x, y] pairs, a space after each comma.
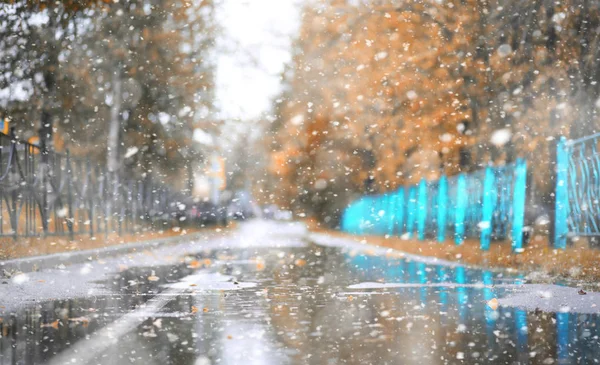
{"points": [[493, 303], [153, 277], [50, 325], [300, 262], [195, 264]]}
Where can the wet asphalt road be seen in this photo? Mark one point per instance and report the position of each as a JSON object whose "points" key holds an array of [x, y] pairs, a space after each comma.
{"points": [[266, 295]]}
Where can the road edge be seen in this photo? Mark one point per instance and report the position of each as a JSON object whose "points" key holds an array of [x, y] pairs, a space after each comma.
{"points": [[43, 262], [327, 240]]}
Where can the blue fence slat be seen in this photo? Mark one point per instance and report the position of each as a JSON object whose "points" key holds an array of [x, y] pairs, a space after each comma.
{"points": [[577, 209], [487, 210], [353, 217], [380, 214], [385, 213], [373, 222], [422, 209], [442, 208], [503, 201], [411, 210], [561, 215], [391, 212], [460, 211], [562, 337], [399, 211], [521, 324], [365, 217], [365, 208], [488, 203], [519, 193], [484, 203]]}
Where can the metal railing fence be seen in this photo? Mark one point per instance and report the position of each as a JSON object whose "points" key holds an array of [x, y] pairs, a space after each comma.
{"points": [[45, 193], [489, 204], [577, 210]]}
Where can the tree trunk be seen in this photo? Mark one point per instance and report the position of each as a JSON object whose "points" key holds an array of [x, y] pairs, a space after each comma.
{"points": [[112, 156]]}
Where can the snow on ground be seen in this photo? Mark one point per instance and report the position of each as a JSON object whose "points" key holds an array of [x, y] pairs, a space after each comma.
{"points": [[80, 280], [374, 285], [209, 281], [69, 281], [351, 245], [552, 298], [545, 297]]}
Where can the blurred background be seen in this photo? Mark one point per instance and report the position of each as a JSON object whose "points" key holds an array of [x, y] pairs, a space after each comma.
{"points": [[300, 105]]}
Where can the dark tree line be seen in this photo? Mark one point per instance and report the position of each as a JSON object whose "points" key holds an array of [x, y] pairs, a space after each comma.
{"points": [[125, 82]]}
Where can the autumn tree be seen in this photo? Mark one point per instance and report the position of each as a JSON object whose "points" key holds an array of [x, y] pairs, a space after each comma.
{"points": [[132, 80], [385, 93]]}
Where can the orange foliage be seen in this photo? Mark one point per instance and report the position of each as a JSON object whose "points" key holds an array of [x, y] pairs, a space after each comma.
{"points": [[385, 94]]}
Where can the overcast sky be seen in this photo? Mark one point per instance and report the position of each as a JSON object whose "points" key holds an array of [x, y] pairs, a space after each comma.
{"points": [[257, 39]]}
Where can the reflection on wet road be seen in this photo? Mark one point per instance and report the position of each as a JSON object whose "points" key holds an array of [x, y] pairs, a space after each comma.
{"points": [[297, 305]]}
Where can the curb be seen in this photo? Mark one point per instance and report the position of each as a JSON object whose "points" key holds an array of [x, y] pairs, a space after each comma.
{"points": [[37, 263]]}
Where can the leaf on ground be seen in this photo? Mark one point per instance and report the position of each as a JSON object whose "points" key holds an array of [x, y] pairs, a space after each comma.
{"points": [[50, 325], [153, 277], [260, 264], [84, 321], [195, 264], [300, 262]]}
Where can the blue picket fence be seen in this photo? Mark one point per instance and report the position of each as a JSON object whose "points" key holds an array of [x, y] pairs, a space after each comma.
{"points": [[489, 203], [577, 189]]}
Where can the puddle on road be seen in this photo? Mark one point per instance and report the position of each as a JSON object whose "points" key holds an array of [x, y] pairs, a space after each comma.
{"points": [[298, 306]]}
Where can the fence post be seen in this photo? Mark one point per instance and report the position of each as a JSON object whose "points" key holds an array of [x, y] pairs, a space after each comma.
{"points": [[410, 210], [563, 350], [107, 202], [344, 219], [382, 214], [519, 193], [561, 195], [130, 203], [442, 208], [90, 190], [71, 218], [14, 220], [380, 205], [360, 215], [391, 212], [422, 209], [44, 180], [367, 215], [119, 202], [356, 216], [376, 218], [399, 214], [460, 211], [487, 209]]}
